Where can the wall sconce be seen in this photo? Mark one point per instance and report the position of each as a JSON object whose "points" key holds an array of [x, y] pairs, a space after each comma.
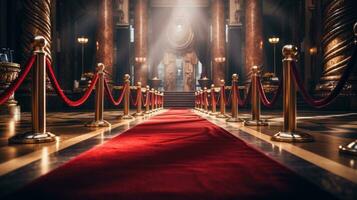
{"points": [[313, 50], [220, 59], [140, 59]]}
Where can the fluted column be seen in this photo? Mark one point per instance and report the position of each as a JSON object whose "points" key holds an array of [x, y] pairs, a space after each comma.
{"points": [[141, 41], [218, 41], [36, 17], [253, 35], [105, 40], [337, 43]]}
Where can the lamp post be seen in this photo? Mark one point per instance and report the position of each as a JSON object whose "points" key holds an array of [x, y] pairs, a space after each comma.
{"points": [[82, 40], [274, 40]]}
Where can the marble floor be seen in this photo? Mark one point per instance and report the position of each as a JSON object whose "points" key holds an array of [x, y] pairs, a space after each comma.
{"points": [[318, 161]]}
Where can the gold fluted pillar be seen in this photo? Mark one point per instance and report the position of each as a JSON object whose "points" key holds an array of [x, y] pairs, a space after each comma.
{"points": [[141, 41], [337, 43], [218, 41], [253, 35], [105, 40], [36, 17]]}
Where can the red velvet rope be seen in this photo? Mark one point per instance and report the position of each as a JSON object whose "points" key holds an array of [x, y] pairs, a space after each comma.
{"points": [[334, 93], [16, 84], [138, 98], [110, 96], [264, 98], [243, 103], [60, 92]]}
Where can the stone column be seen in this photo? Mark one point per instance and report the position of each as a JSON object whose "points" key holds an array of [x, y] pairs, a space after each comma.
{"points": [[141, 41], [218, 41], [337, 45], [36, 17], [253, 35], [105, 40]]}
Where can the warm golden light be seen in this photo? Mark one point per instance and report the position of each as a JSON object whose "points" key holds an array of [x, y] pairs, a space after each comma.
{"points": [[82, 40], [220, 59], [274, 40], [140, 59], [313, 51]]}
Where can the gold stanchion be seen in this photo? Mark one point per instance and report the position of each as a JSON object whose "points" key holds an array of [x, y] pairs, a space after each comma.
{"points": [[139, 112], [152, 93], [289, 134], [162, 100], [127, 98], [38, 133], [201, 100], [205, 100], [156, 100], [196, 103], [255, 101], [234, 104], [222, 103], [213, 102], [99, 100], [147, 106], [351, 148]]}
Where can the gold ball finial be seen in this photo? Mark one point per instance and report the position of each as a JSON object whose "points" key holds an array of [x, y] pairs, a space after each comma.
{"points": [[235, 77], [212, 86], [139, 83], [205, 88], [148, 87], [39, 43], [126, 77], [100, 67], [290, 51], [255, 69]]}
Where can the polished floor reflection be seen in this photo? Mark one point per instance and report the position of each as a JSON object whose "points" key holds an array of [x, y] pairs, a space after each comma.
{"points": [[318, 161]]}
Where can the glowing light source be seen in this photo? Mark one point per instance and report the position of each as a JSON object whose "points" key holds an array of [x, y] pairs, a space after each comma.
{"points": [[82, 40], [220, 59], [313, 50], [274, 40], [140, 59]]}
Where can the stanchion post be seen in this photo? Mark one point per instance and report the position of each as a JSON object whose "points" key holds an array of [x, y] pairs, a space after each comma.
{"points": [[213, 101], [205, 100], [162, 100], [196, 103], [156, 100], [255, 100], [201, 100], [152, 93], [139, 112], [99, 100], [222, 103], [127, 98], [38, 133], [289, 133], [234, 100], [351, 148], [147, 106]]}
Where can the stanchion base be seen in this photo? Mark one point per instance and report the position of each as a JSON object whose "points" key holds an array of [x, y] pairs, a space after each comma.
{"points": [[147, 112], [102, 123], [234, 119], [221, 116], [213, 113], [127, 117], [256, 123], [32, 138], [139, 114], [350, 148], [292, 137]]}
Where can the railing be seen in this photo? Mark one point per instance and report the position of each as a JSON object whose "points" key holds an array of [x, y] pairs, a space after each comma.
{"points": [[290, 84], [41, 67]]}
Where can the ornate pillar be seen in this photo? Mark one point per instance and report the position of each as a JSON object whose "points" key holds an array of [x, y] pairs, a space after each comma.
{"points": [[253, 35], [337, 44], [218, 41], [141, 42], [36, 21], [105, 40]]}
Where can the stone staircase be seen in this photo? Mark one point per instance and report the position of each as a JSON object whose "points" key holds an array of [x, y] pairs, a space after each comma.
{"points": [[179, 99]]}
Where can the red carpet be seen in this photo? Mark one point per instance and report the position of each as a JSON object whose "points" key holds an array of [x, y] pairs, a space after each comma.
{"points": [[176, 155]]}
